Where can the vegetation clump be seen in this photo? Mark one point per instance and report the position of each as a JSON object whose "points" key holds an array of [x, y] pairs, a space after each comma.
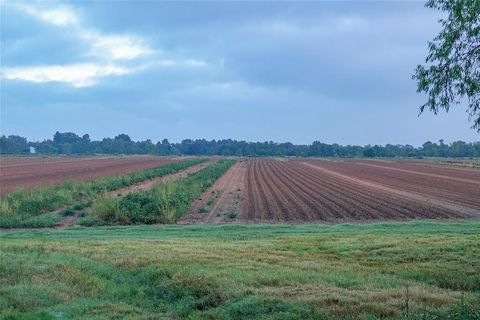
{"points": [[163, 203]]}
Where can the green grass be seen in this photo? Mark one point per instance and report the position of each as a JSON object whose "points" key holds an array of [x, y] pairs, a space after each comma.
{"points": [[163, 203], [19, 207], [244, 272]]}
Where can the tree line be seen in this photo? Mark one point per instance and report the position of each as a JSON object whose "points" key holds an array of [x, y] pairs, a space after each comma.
{"points": [[71, 144]]}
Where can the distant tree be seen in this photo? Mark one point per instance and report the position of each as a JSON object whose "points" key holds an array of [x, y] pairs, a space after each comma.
{"points": [[370, 153], [13, 145], [65, 137], [70, 143], [123, 137], [452, 69]]}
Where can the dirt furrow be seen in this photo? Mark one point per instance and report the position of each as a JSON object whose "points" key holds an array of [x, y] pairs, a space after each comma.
{"points": [[442, 204], [221, 203], [368, 204], [79, 170], [462, 193], [422, 173]]}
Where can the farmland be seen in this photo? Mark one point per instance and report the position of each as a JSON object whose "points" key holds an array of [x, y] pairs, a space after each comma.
{"points": [[261, 190], [334, 191], [260, 238], [40, 206], [29, 172]]}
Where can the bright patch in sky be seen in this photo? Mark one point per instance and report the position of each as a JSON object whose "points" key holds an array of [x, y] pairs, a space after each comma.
{"points": [[116, 47], [78, 75]]}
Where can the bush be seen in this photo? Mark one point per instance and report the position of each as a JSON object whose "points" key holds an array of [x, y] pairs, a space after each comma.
{"points": [[79, 206], [89, 221], [107, 209], [67, 212], [140, 207], [41, 221], [232, 214]]}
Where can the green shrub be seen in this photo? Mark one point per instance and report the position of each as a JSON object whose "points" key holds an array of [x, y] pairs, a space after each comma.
{"points": [[22, 221], [202, 210], [140, 207], [232, 214], [82, 213], [107, 209], [89, 221], [67, 212], [79, 206]]}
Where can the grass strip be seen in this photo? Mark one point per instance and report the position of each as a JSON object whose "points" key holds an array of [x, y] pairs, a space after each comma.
{"points": [[163, 203]]}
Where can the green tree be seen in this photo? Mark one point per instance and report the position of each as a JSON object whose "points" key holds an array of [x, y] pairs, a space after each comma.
{"points": [[14, 144], [451, 73]]}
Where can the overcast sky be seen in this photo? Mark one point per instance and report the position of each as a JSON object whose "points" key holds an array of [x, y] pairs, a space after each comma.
{"points": [[329, 71]]}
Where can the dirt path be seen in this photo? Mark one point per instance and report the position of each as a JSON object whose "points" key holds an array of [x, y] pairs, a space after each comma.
{"points": [[145, 185], [409, 195], [221, 203]]}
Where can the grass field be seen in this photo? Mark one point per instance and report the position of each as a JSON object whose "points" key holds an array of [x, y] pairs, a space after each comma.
{"points": [[411, 270]]}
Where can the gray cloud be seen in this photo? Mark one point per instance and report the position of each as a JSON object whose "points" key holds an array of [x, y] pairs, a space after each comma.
{"points": [[337, 72]]}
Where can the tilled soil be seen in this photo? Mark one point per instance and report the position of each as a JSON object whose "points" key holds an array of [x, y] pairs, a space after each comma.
{"points": [[221, 203], [345, 191], [34, 172]]}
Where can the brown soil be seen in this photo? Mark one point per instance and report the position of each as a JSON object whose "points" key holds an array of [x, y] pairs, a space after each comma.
{"points": [[338, 191], [425, 167], [33, 172], [223, 201], [452, 185]]}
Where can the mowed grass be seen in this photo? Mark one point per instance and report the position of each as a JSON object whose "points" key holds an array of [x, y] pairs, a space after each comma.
{"points": [[409, 270]]}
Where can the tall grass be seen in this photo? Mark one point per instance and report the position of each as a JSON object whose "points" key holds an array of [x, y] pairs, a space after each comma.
{"points": [[23, 204], [163, 203]]}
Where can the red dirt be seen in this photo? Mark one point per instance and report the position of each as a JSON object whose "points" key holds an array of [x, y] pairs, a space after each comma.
{"points": [[34, 172], [226, 195], [450, 186], [338, 191], [426, 167]]}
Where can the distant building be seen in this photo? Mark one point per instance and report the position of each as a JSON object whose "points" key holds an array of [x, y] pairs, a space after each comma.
{"points": [[32, 150]]}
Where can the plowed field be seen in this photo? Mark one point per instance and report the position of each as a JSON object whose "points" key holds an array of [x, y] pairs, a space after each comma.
{"points": [[33, 172], [357, 190]]}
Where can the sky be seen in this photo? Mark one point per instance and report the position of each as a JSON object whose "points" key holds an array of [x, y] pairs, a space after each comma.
{"points": [[336, 72]]}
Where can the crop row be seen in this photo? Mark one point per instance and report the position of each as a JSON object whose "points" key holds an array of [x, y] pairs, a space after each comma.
{"points": [[25, 204], [163, 203], [296, 191]]}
